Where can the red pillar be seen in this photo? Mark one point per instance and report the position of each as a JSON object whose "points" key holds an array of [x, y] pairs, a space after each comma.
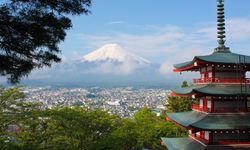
{"points": [[210, 138], [212, 104]]}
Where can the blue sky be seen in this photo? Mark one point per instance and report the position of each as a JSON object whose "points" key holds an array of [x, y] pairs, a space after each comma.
{"points": [[162, 31], [140, 26]]}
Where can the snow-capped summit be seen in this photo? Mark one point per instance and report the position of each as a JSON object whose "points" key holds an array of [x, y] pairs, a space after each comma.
{"points": [[113, 53], [109, 65]]}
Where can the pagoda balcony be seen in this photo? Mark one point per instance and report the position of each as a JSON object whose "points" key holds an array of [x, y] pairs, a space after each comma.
{"points": [[229, 142], [221, 80], [197, 107], [199, 138], [226, 110], [220, 142]]}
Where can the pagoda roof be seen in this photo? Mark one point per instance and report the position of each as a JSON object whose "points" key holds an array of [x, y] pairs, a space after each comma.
{"points": [[215, 58], [205, 121], [214, 89], [191, 144], [182, 144]]}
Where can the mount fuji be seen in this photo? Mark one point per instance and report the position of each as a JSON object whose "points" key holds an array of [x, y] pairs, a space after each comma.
{"points": [[113, 59], [114, 53], [109, 65]]}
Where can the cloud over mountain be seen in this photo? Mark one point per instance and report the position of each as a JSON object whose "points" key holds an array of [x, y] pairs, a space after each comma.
{"points": [[113, 59], [109, 64]]}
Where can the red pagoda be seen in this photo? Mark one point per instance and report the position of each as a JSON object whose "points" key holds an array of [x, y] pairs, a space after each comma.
{"points": [[220, 117]]}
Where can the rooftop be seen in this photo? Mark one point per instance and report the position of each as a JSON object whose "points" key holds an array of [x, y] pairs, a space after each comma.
{"points": [[215, 89], [215, 58], [191, 144], [199, 120]]}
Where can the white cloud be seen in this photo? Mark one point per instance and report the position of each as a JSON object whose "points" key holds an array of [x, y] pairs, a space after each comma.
{"points": [[114, 69], [152, 44], [42, 73], [236, 29], [116, 22], [169, 44], [239, 28], [173, 43], [166, 68]]}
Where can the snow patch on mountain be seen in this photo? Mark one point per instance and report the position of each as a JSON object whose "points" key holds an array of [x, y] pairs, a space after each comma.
{"points": [[108, 65], [113, 53], [113, 59]]}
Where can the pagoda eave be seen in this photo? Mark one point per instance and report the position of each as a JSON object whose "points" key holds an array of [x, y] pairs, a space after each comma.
{"points": [[190, 143], [176, 123], [181, 95], [193, 65], [215, 59], [215, 122], [212, 90], [187, 68], [182, 144], [195, 128]]}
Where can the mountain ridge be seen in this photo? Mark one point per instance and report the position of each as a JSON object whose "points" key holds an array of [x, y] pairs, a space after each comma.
{"points": [[108, 65], [113, 53]]}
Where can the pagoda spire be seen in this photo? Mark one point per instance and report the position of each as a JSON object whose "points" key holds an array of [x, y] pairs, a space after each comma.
{"points": [[221, 28]]}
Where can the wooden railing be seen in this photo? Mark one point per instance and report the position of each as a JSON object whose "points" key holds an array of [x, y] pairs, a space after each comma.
{"points": [[197, 137], [227, 142], [198, 108], [220, 80], [219, 110], [208, 80], [225, 110], [220, 142]]}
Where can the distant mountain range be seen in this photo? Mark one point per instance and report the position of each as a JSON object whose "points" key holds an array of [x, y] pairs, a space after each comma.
{"points": [[109, 65]]}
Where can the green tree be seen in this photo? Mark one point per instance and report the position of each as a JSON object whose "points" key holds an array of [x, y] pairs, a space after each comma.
{"points": [[79, 128], [31, 31], [150, 128], [178, 104], [124, 137], [18, 120], [143, 131], [184, 84]]}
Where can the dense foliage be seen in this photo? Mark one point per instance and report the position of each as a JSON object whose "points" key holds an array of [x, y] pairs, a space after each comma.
{"points": [[178, 104], [31, 31], [184, 84], [25, 126]]}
